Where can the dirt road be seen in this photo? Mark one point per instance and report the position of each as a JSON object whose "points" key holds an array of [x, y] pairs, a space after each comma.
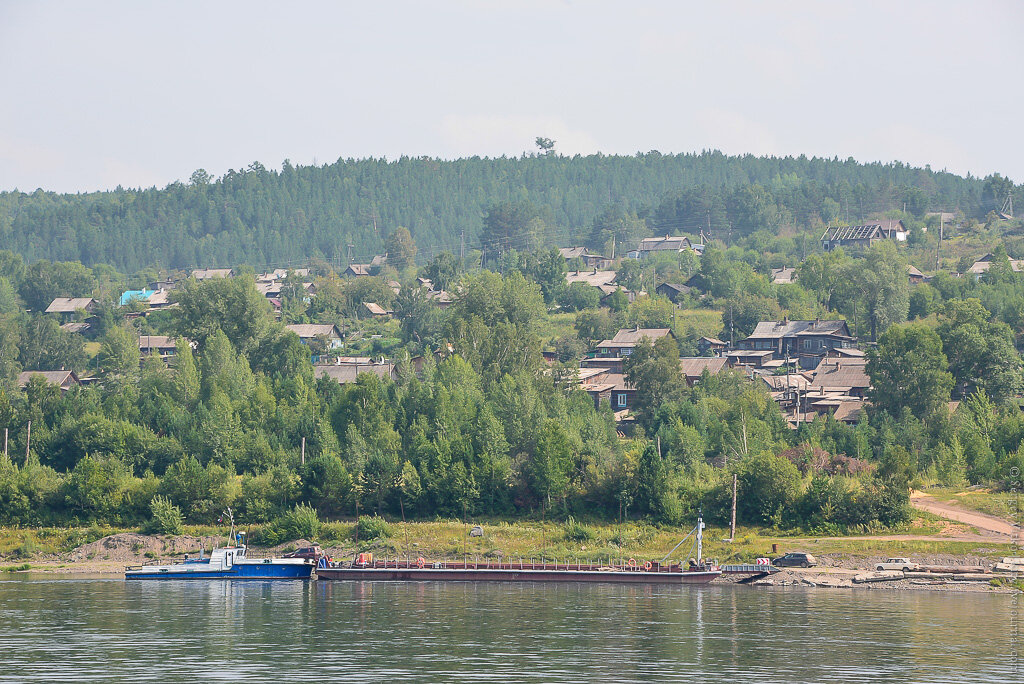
{"points": [[986, 524]]}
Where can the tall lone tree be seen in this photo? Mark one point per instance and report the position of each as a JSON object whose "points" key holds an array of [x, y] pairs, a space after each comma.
{"points": [[401, 248]]}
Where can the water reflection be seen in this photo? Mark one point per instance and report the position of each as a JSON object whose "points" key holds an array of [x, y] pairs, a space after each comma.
{"points": [[103, 630]]}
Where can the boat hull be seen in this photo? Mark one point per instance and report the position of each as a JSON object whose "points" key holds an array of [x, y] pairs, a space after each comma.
{"points": [[514, 575], [255, 571]]}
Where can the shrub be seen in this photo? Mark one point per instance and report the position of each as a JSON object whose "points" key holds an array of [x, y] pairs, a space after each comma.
{"points": [[301, 522], [167, 518], [372, 527], [576, 531]]}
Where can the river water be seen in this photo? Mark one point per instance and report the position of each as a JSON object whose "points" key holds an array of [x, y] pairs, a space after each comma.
{"points": [[100, 630]]}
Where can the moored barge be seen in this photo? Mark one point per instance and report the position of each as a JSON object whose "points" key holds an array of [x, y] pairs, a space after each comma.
{"points": [[396, 570], [365, 568]]}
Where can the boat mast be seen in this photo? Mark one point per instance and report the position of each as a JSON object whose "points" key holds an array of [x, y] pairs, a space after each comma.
{"points": [[700, 539]]}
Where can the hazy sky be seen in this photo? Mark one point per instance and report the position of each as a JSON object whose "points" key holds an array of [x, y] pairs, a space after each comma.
{"points": [[142, 93]]}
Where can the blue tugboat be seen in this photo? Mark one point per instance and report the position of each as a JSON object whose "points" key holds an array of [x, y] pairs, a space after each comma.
{"points": [[227, 563]]}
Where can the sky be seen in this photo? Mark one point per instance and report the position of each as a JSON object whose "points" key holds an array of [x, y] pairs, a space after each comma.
{"points": [[139, 94]]}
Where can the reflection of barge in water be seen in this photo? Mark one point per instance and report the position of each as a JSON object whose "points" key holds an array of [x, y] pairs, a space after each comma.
{"points": [[365, 568]]}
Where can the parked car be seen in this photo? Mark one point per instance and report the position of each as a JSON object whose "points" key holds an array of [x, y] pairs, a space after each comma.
{"points": [[903, 564], [795, 559], [314, 552]]}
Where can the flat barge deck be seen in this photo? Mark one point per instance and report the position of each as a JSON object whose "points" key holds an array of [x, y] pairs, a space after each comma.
{"points": [[411, 571]]}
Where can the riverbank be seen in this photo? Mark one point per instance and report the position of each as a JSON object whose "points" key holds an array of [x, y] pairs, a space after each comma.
{"points": [[928, 541]]}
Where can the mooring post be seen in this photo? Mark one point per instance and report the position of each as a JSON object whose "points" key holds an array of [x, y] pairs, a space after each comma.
{"points": [[732, 524]]}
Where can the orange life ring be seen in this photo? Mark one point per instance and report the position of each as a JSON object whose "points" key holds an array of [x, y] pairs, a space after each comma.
{"points": [[647, 565], [420, 562], [631, 562]]}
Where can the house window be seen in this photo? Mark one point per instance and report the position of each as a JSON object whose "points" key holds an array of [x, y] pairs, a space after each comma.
{"points": [[620, 399]]}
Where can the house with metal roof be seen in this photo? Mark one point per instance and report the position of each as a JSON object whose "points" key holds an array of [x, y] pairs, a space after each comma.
{"points": [[864, 235], [808, 341], [667, 243], [627, 339]]}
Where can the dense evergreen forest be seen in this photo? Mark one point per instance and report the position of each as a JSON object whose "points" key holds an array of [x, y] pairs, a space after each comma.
{"points": [[259, 216]]}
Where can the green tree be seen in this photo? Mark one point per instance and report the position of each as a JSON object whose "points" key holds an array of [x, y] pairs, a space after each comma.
{"points": [[401, 248], [981, 353], [768, 487], [232, 305], [119, 352], [909, 371], [883, 287], [442, 270], [549, 466], [653, 369]]}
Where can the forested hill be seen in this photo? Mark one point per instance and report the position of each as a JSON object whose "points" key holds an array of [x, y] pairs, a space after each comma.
{"points": [[262, 217]]}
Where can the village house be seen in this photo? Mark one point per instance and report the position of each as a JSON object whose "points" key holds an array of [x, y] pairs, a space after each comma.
{"points": [[807, 341], [376, 310], [608, 290], [693, 368], [269, 289], [347, 369], [80, 327], [863, 236], [207, 273], [628, 338], [669, 244], [673, 291], [610, 387], [309, 332], [65, 379], [981, 266], [915, 276], [358, 270], [160, 346], [846, 377], [783, 276], [593, 278], [67, 307], [591, 260], [712, 346]]}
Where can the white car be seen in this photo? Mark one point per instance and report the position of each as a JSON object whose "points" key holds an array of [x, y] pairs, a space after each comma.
{"points": [[903, 564]]}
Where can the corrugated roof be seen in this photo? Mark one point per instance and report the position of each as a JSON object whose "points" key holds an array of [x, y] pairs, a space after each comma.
{"points": [[777, 329]]}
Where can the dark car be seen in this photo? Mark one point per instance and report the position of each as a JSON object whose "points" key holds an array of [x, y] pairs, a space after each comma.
{"points": [[795, 559], [314, 552]]}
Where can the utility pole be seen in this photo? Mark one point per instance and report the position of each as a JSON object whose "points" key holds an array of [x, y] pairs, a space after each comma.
{"points": [[28, 441], [5, 442], [659, 447], [613, 246], [462, 244], [302, 457], [732, 524], [939, 246]]}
